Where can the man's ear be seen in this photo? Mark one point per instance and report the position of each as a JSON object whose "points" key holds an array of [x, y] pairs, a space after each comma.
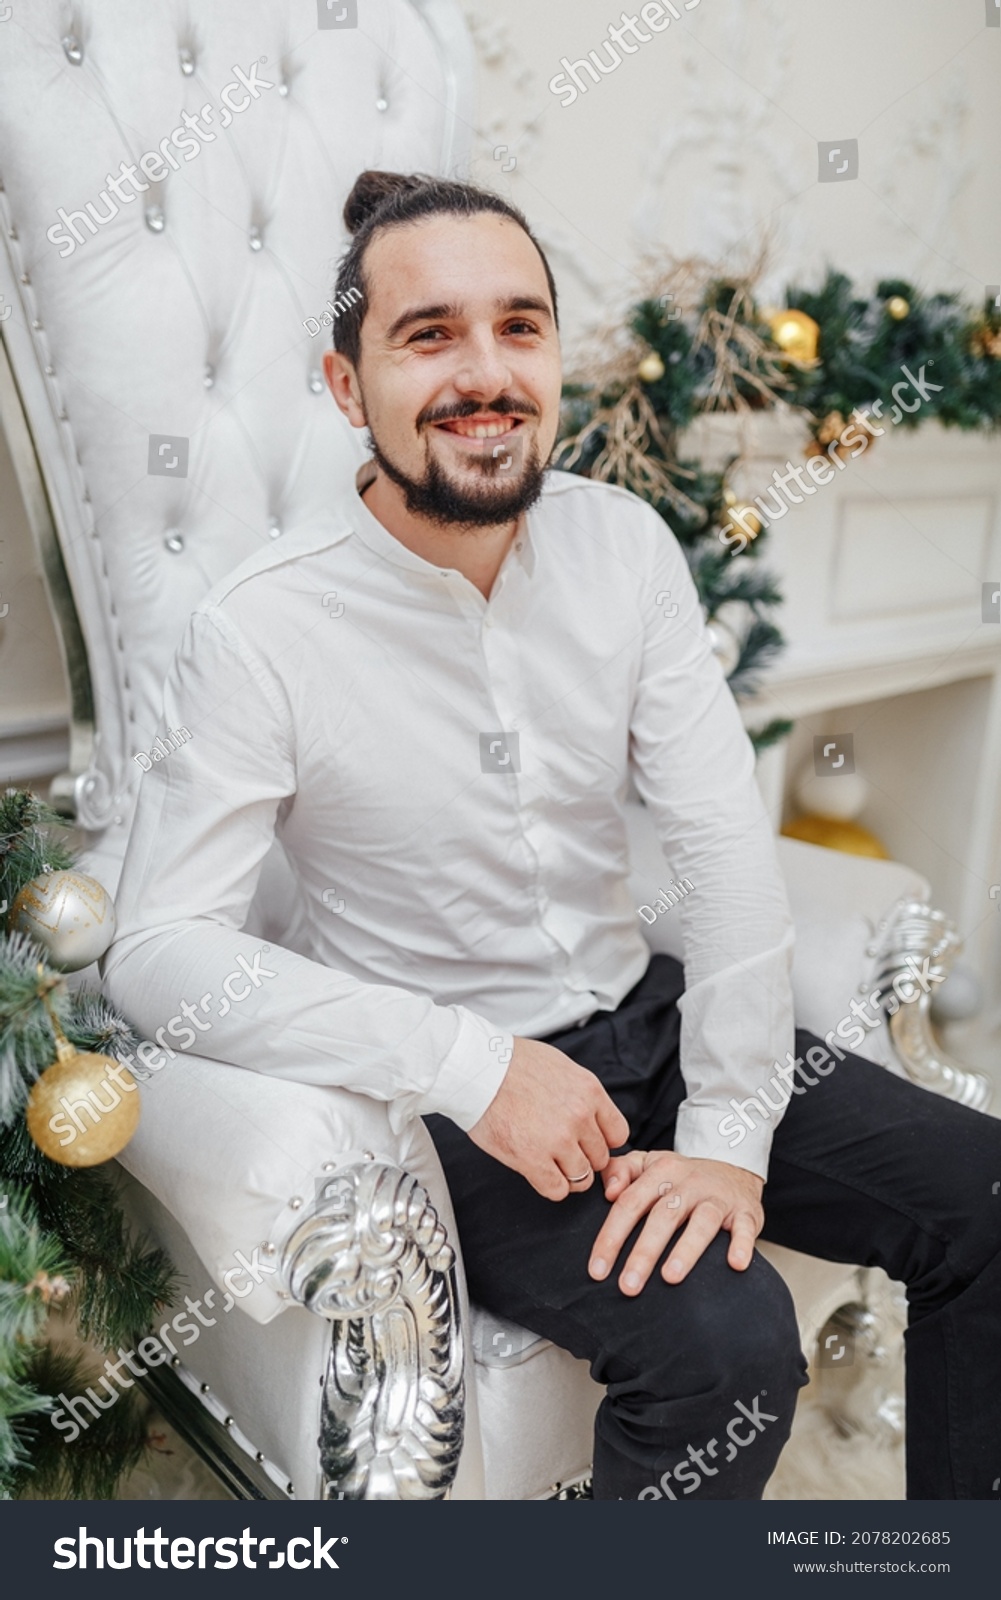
{"points": [[342, 381]]}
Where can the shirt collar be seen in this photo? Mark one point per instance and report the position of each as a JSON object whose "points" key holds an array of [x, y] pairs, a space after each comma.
{"points": [[379, 538]]}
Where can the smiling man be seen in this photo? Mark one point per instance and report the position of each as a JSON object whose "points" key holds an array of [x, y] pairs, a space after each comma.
{"points": [[454, 753]]}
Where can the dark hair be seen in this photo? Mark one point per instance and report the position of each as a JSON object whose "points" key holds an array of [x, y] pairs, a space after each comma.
{"points": [[390, 200]]}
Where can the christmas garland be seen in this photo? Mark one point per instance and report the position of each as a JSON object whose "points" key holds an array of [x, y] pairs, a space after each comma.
{"points": [[697, 343], [64, 1242]]}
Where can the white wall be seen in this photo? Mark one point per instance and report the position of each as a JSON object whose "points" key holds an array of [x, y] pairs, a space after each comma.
{"points": [[704, 142]]}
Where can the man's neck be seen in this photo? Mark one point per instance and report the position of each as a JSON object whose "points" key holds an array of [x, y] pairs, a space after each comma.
{"points": [[478, 553]]}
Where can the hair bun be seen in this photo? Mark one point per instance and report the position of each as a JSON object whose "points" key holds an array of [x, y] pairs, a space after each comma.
{"points": [[370, 190]]}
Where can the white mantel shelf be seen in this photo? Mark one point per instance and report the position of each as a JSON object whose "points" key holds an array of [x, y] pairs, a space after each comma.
{"points": [[882, 570]]}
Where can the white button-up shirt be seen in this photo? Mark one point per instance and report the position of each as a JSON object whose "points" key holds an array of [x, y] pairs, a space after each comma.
{"points": [[448, 776]]}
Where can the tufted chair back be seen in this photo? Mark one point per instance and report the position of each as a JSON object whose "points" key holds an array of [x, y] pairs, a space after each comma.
{"points": [[162, 391]]}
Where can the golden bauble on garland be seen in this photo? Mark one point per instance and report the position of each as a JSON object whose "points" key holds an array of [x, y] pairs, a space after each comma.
{"points": [[796, 334], [986, 341], [83, 1109], [651, 369], [898, 308], [69, 914], [740, 517]]}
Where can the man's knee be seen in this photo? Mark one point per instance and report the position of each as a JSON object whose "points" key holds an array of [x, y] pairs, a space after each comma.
{"points": [[732, 1334]]}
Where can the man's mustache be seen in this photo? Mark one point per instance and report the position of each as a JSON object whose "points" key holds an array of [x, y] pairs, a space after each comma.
{"points": [[504, 406]]}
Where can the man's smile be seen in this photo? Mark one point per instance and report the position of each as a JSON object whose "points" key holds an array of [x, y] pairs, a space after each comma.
{"points": [[482, 426]]}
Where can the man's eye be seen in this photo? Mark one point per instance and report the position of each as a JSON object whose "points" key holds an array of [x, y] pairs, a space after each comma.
{"points": [[427, 335], [521, 327]]}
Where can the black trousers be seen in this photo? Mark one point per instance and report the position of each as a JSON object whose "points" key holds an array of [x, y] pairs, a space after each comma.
{"points": [[702, 1376]]}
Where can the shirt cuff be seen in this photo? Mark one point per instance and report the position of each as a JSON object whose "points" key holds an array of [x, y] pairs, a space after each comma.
{"points": [[717, 1133], [471, 1072]]}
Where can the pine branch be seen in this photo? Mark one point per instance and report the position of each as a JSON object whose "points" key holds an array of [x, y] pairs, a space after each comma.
{"points": [[51, 1465]]}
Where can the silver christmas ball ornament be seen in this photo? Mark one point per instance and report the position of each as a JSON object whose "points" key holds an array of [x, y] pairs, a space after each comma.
{"points": [[70, 915]]}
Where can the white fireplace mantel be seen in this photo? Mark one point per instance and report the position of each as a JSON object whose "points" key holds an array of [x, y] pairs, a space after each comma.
{"points": [[883, 570]]}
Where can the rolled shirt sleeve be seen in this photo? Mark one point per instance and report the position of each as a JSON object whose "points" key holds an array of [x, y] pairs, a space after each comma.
{"points": [[181, 968], [693, 765]]}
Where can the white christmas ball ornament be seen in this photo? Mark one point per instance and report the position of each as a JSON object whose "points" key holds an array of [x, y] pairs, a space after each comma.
{"points": [[839, 795], [69, 914], [959, 997]]}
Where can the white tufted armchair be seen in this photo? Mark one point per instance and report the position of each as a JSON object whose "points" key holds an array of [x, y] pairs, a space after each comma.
{"points": [[161, 392]]}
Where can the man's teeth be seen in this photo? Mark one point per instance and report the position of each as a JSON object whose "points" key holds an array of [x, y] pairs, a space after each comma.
{"points": [[480, 430]]}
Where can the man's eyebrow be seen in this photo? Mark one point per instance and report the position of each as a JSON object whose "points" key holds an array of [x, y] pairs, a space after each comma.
{"points": [[448, 312]]}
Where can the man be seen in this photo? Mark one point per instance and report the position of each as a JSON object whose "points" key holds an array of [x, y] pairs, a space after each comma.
{"points": [[449, 749]]}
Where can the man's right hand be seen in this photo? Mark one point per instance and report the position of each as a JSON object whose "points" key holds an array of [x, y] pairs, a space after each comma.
{"points": [[550, 1120]]}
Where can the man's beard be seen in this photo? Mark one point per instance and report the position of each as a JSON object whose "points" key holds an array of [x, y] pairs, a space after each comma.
{"points": [[496, 499]]}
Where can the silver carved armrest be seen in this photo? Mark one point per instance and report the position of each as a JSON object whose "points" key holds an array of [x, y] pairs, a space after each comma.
{"points": [[916, 933], [372, 1256]]}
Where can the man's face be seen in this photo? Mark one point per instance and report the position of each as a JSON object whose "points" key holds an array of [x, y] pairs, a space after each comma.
{"points": [[459, 377]]}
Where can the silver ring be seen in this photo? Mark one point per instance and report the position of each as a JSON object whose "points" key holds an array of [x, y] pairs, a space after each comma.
{"points": [[583, 1177]]}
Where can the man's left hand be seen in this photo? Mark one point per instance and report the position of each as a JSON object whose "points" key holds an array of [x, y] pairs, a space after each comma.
{"points": [[671, 1190]]}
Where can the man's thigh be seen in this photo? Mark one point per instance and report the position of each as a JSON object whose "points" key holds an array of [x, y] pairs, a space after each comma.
{"points": [[526, 1259], [871, 1169]]}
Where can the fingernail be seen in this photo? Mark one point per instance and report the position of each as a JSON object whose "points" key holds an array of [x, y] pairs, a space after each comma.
{"points": [[599, 1268], [674, 1268], [631, 1280]]}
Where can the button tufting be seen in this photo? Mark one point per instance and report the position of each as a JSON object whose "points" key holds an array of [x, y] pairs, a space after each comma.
{"points": [[283, 89], [174, 542], [295, 1204], [268, 1248], [382, 104], [25, 278], [36, 326], [155, 219], [256, 238], [316, 382], [73, 48], [187, 61], [275, 529], [208, 376]]}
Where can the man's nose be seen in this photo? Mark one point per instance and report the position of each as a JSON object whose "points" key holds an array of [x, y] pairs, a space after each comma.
{"points": [[483, 370]]}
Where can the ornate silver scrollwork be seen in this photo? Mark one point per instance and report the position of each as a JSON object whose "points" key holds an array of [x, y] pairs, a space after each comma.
{"points": [[372, 1256], [915, 933]]}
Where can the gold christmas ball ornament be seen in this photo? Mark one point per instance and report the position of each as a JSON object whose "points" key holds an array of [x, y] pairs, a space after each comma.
{"points": [[650, 368], [70, 915], [898, 308], [835, 833], [741, 518], [796, 334], [83, 1109]]}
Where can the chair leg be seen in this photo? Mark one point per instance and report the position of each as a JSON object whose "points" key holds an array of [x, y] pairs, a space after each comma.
{"points": [[372, 1256]]}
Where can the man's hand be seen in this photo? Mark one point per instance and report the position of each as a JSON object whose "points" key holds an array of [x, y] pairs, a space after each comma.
{"points": [[550, 1120], [669, 1190]]}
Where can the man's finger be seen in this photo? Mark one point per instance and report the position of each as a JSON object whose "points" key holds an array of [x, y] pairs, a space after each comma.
{"points": [[742, 1236], [704, 1224], [633, 1202], [595, 1148], [661, 1226], [613, 1124], [621, 1171], [579, 1172]]}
